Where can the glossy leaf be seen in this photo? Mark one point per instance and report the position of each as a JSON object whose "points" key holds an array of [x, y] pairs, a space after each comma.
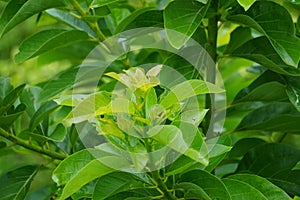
{"points": [[246, 3], [293, 91], [78, 170], [184, 17], [212, 185], [152, 18], [114, 183], [272, 117], [248, 186], [192, 191], [261, 51], [48, 40], [275, 22], [239, 36], [274, 162], [18, 11], [15, 184]]}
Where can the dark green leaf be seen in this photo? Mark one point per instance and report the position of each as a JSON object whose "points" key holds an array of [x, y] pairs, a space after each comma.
{"points": [[152, 18], [15, 184], [192, 191], [241, 147], [293, 91], [274, 162], [239, 36], [184, 17], [261, 51], [275, 22], [5, 86], [277, 116], [7, 120], [212, 185], [248, 187], [48, 40], [114, 183], [42, 113], [17, 11]]}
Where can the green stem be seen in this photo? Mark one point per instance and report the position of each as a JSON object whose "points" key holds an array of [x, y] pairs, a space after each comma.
{"points": [[32, 147], [211, 48], [93, 25]]}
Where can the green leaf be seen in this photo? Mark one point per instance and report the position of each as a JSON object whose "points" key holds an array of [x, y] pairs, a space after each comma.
{"points": [[274, 162], [130, 19], [248, 187], [150, 101], [275, 22], [278, 116], [48, 40], [77, 170], [256, 91], [239, 36], [114, 183], [12, 96], [15, 184], [211, 184], [293, 91], [7, 120], [42, 113], [184, 17], [187, 90], [192, 191], [18, 11], [261, 51], [60, 82], [246, 3], [72, 21], [242, 146], [99, 3], [6, 87], [59, 133], [152, 18]]}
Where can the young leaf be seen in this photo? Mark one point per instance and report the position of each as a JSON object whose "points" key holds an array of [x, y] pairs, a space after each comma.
{"points": [[246, 3], [249, 186], [183, 17], [15, 184], [187, 90], [48, 40], [18, 11]]}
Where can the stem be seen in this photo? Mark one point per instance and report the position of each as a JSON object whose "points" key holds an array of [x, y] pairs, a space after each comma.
{"points": [[211, 48], [93, 25], [32, 147]]}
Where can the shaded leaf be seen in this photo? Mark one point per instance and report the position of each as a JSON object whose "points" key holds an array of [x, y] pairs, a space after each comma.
{"points": [[274, 162], [192, 191], [15, 184]]}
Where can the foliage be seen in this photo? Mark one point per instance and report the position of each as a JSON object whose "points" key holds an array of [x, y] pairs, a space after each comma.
{"points": [[153, 128]]}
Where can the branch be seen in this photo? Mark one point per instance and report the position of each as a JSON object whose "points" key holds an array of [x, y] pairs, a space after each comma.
{"points": [[32, 147]]}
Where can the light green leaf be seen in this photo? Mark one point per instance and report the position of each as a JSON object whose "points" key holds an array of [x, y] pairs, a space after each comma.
{"points": [[184, 17], [246, 3], [275, 22], [249, 186], [99, 3], [18, 11], [15, 184], [274, 162], [5, 86], [48, 40], [187, 90], [150, 101], [69, 19]]}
